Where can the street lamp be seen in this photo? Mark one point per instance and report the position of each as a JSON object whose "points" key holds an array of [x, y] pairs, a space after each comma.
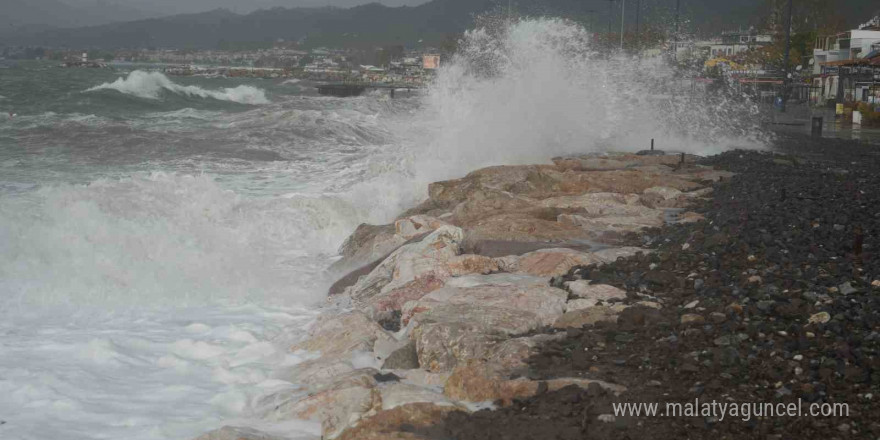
{"points": [[622, 18], [786, 68]]}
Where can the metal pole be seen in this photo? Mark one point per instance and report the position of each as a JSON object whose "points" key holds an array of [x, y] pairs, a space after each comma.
{"points": [[675, 37], [610, 14], [638, 30], [785, 62], [622, 21]]}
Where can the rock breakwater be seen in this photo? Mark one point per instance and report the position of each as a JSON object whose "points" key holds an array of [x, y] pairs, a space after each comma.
{"points": [[439, 312]]}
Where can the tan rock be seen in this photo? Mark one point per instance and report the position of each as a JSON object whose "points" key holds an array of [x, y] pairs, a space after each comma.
{"points": [[408, 263], [553, 262], [414, 226], [692, 319], [332, 335], [441, 346], [336, 406], [396, 394], [395, 299], [509, 357], [479, 382], [691, 217], [590, 295], [589, 316], [389, 424], [500, 320], [471, 264], [545, 302], [318, 372], [820, 318]]}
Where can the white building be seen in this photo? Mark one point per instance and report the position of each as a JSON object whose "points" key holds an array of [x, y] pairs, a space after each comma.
{"points": [[851, 45]]}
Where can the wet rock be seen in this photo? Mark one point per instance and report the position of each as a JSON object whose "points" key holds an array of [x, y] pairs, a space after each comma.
{"points": [[408, 263], [404, 358], [236, 433], [847, 288], [399, 422], [344, 333], [336, 406]]}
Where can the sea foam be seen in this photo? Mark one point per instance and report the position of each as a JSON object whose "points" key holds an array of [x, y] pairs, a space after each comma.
{"points": [[150, 85]]}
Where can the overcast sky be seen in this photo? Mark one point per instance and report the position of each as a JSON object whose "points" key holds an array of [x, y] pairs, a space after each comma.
{"points": [[241, 6]]}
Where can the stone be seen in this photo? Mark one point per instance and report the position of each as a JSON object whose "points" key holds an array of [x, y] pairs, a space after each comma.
{"points": [[664, 197], [755, 279], [404, 358], [313, 373], [589, 316], [394, 394], [236, 433], [509, 357], [336, 406], [414, 226], [408, 263], [847, 288], [546, 302], [344, 333], [368, 243], [553, 262], [692, 319], [611, 255], [441, 346], [471, 264], [594, 293], [399, 422], [820, 318], [612, 226], [875, 284], [499, 320], [392, 300], [477, 381]]}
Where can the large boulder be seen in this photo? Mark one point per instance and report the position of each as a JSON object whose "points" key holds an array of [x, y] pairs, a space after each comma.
{"points": [[589, 295], [509, 357], [336, 405], [477, 381], [526, 294], [589, 316], [342, 334], [408, 263], [550, 262], [485, 319], [441, 346], [399, 423]]}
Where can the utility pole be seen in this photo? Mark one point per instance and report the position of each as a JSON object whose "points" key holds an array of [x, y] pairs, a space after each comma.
{"points": [[675, 37], [786, 64], [622, 21], [638, 30], [610, 15]]}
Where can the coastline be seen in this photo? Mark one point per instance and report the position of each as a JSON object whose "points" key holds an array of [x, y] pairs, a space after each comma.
{"points": [[490, 292], [445, 304]]}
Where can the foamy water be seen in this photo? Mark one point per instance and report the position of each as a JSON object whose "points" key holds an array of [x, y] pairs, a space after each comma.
{"points": [[151, 85], [162, 241]]}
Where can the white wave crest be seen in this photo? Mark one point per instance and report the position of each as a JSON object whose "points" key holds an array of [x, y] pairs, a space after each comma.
{"points": [[150, 85]]}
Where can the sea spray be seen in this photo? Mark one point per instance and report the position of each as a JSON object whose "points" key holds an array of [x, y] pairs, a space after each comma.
{"points": [[537, 89], [150, 85]]}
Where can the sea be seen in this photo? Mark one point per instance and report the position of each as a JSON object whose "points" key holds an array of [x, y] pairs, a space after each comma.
{"points": [[164, 240]]}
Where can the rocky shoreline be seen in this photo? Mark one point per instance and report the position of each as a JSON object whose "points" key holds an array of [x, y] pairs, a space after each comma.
{"points": [[519, 302]]}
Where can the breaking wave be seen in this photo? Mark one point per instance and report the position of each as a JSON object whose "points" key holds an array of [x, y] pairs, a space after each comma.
{"points": [[538, 88], [150, 85]]}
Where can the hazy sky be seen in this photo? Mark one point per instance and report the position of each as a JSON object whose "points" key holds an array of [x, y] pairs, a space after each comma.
{"points": [[241, 6]]}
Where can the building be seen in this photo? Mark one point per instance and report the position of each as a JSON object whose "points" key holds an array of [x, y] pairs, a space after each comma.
{"points": [[846, 66], [735, 42]]}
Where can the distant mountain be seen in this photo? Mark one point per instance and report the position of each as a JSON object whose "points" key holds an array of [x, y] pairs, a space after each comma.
{"points": [[40, 14], [374, 24]]}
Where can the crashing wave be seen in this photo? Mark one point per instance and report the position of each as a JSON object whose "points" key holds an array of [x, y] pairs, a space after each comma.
{"points": [[150, 85]]}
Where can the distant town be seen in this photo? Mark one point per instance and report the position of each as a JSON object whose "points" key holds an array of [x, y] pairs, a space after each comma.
{"points": [[828, 66]]}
